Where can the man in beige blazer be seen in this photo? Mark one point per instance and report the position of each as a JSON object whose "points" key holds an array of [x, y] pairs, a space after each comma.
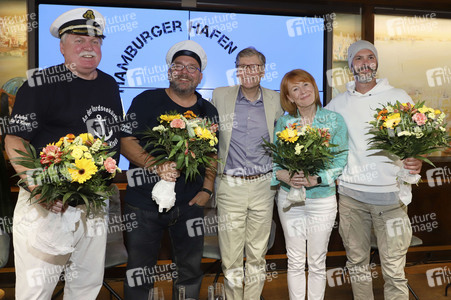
{"points": [[247, 113]]}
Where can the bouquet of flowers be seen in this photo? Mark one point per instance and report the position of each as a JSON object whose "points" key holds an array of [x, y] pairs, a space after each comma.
{"points": [[186, 140], [407, 130], [74, 169], [305, 149]]}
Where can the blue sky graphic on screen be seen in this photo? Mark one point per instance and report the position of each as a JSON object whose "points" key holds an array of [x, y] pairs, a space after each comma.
{"points": [[137, 40]]}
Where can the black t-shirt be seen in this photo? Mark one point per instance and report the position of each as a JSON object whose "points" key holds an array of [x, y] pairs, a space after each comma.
{"points": [[55, 102], [145, 109]]}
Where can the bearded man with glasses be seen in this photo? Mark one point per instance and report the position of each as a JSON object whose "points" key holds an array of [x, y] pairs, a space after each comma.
{"points": [[186, 61]]}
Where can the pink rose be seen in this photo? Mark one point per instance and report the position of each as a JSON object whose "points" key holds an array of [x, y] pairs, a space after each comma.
{"points": [[419, 118], [110, 165], [177, 123]]}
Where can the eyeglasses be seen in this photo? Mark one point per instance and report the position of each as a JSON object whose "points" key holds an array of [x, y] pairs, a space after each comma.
{"points": [[252, 68], [179, 67]]}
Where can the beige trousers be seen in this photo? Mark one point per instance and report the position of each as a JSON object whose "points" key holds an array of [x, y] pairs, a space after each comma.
{"points": [[244, 220], [393, 232]]}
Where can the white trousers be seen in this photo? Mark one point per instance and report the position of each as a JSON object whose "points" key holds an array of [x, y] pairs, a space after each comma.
{"points": [[37, 273], [307, 228]]}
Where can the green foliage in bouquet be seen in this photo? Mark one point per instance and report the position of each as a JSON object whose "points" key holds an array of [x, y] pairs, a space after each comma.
{"points": [[185, 139], [407, 130], [74, 169], [307, 149]]}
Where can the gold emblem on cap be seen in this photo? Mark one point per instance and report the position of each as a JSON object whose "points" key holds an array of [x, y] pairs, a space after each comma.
{"points": [[89, 14]]}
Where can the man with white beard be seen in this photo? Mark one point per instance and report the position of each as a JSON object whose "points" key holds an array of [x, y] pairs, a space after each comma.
{"points": [[51, 104]]}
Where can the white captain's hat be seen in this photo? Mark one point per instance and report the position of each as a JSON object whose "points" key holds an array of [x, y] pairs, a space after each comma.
{"points": [[81, 21], [187, 48]]}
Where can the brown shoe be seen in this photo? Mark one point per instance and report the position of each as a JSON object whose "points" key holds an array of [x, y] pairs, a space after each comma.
{"points": [[2, 294]]}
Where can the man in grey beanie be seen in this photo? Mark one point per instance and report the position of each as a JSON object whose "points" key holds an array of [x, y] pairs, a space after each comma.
{"points": [[368, 190], [363, 77]]}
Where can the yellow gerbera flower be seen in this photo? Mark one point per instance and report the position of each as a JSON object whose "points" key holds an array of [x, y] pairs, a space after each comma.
{"points": [[169, 118], [85, 168], [289, 135], [392, 120]]}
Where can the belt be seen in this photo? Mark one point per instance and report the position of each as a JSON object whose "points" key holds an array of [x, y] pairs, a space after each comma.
{"points": [[249, 177]]}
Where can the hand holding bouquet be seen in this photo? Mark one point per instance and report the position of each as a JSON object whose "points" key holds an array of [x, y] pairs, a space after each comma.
{"points": [[74, 170], [305, 149], [186, 140], [407, 130]]}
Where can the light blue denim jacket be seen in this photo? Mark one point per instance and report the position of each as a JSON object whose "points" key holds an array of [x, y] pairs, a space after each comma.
{"points": [[339, 136]]}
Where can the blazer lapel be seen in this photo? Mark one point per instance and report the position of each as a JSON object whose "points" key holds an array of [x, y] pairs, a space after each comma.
{"points": [[270, 111], [230, 99], [227, 122]]}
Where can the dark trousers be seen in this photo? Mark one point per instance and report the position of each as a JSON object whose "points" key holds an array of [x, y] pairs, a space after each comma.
{"points": [[143, 244]]}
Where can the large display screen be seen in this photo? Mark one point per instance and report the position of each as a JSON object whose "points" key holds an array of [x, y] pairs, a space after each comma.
{"points": [[137, 40]]}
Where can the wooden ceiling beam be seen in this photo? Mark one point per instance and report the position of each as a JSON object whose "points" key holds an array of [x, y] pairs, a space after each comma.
{"points": [[368, 23]]}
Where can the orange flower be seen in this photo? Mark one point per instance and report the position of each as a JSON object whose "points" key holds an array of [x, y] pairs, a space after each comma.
{"points": [[381, 114], [189, 115], [70, 137]]}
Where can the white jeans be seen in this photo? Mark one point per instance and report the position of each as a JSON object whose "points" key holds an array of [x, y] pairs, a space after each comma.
{"points": [[37, 273], [311, 222]]}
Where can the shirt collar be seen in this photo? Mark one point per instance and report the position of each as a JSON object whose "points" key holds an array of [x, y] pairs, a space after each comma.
{"points": [[241, 96]]}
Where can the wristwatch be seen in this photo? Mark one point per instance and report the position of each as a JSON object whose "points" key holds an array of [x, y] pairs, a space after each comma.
{"points": [[319, 180], [207, 191]]}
